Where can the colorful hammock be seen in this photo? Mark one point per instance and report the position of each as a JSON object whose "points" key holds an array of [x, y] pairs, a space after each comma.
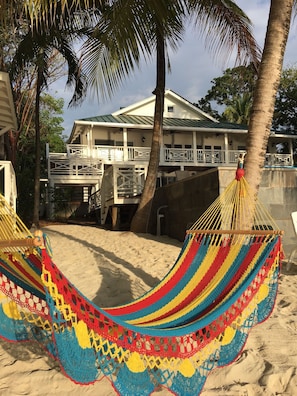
{"points": [[223, 282]]}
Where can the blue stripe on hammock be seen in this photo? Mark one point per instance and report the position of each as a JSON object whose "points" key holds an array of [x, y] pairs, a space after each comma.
{"points": [[187, 277], [190, 316], [214, 294], [191, 326], [200, 323], [11, 274]]}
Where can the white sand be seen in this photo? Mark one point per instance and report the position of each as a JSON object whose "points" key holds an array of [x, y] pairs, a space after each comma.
{"points": [[113, 267]]}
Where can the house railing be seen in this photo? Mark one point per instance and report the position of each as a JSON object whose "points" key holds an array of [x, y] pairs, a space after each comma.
{"points": [[279, 160], [74, 166], [82, 160], [119, 184]]}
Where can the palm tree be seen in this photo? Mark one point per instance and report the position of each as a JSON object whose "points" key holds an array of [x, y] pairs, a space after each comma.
{"points": [[239, 111], [128, 29], [266, 88], [34, 54]]}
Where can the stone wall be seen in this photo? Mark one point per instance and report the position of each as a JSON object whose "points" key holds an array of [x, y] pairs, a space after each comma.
{"points": [[187, 199]]}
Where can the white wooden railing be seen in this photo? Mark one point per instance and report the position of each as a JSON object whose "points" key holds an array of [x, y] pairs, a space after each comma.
{"points": [[83, 160], [120, 184], [74, 166]]}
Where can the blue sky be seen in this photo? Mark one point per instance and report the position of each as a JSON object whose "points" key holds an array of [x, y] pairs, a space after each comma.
{"points": [[192, 69]]}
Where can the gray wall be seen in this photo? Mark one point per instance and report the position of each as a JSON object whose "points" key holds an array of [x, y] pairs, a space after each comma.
{"points": [[187, 199]]}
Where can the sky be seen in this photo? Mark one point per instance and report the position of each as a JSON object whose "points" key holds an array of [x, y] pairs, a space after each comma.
{"points": [[192, 69]]}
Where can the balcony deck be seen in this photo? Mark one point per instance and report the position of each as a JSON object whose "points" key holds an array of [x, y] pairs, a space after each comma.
{"points": [[81, 161]]}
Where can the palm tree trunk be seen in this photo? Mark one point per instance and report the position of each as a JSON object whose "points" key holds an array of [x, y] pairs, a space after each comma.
{"points": [[37, 151], [266, 89], [140, 220]]}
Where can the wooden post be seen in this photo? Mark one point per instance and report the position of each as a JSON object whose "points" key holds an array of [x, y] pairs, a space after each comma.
{"points": [[115, 216]]}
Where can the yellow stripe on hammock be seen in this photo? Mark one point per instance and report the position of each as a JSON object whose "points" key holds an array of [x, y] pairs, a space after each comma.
{"points": [[199, 274], [165, 279], [234, 250], [18, 257]]}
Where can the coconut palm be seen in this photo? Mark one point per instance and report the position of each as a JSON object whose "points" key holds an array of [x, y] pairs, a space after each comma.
{"points": [[266, 88], [239, 111], [128, 29], [34, 56]]}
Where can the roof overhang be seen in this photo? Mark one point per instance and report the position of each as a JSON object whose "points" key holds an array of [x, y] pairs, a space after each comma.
{"points": [[76, 131], [81, 124], [8, 118]]}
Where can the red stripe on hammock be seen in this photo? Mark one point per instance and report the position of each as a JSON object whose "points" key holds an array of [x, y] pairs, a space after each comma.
{"points": [[73, 297], [214, 267], [161, 292], [111, 330], [25, 274], [243, 267]]}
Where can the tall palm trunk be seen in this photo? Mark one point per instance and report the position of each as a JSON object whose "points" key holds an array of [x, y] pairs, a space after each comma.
{"points": [[140, 220], [266, 89], [37, 150]]}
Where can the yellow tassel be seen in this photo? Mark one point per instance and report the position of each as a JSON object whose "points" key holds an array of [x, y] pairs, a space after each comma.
{"points": [[229, 334], [11, 310], [135, 364], [82, 334], [186, 368]]}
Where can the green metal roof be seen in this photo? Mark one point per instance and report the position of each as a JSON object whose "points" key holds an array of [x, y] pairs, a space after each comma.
{"points": [[168, 122]]}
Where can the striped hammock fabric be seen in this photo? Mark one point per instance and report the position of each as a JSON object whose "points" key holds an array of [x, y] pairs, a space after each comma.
{"points": [[198, 317]]}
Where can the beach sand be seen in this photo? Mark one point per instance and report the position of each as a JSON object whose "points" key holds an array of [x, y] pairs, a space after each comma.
{"points": [[114, 267]]}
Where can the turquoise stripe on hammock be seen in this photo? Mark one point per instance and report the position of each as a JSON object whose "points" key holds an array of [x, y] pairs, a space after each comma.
{"points": [[18, 281], [192, 326], [190, 316], [187, 277], [189, 327]]}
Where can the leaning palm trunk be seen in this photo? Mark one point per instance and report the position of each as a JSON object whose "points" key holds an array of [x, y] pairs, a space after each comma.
{"points": [[266, 89], [140, 220]]}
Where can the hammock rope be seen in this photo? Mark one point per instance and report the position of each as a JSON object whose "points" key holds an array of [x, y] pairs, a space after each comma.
{"points": [[198, 317]]}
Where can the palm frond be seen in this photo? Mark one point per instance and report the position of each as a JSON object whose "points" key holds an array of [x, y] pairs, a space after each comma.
{"points": [[226, 29]]}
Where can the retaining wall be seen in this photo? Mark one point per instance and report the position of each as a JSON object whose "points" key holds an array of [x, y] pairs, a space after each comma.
{"points": [[187, 199]]}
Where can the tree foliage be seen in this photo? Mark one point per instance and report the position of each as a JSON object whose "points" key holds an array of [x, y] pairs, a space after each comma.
{"points": [[233, 91], [230, 97], [51, 131], [285, 113]]}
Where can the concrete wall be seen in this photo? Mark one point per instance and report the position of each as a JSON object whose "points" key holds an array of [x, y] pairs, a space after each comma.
{"points": [[187, 199]]}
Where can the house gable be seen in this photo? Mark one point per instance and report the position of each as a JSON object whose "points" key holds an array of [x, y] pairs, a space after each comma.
{"points": [[8, 118], [174, 107]]}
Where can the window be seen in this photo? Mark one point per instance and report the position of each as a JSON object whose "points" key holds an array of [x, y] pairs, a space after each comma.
{"points": [[120, 143], [170, 109], [104, 142]]}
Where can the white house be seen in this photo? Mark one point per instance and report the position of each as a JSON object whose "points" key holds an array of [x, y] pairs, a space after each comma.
{"points": [[8, 121], [107, 156]]}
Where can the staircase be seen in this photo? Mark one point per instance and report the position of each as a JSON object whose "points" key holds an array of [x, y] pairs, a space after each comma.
{"points": [[119, 195]]}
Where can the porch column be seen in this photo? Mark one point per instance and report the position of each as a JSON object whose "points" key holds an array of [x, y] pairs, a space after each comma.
{"points": [[194, 146], [50, 204], [115, 215], [291, 152], [125, 143], [226, 144], [90, 141], [162, 156]]}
